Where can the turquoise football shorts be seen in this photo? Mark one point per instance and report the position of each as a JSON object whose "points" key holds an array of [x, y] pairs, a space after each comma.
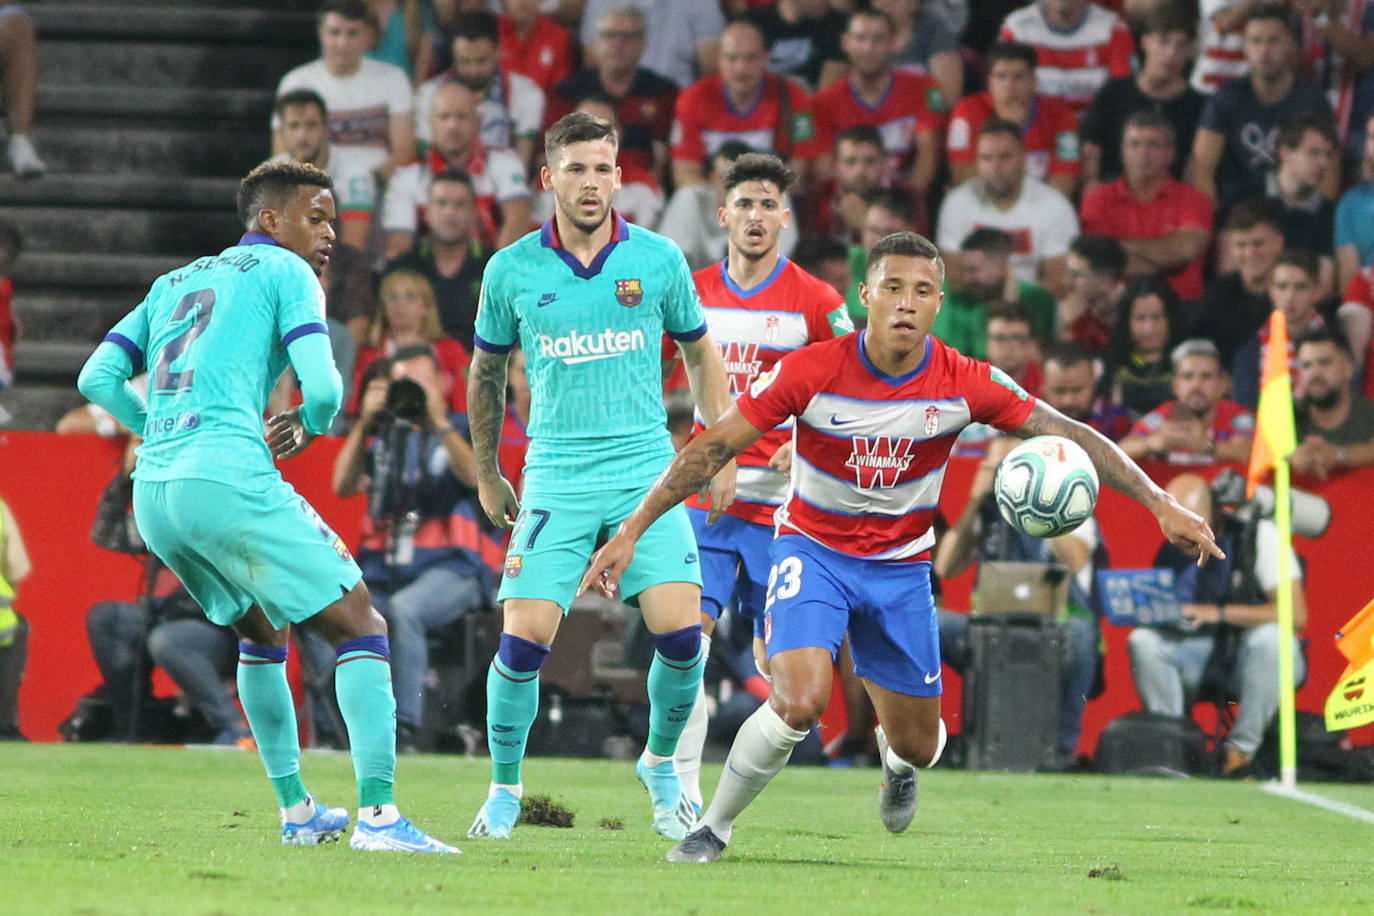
{"points": [[234, 548], [556, 533]]}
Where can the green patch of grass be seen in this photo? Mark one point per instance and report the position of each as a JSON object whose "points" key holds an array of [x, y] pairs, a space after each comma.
{"points": [[107, 829]]}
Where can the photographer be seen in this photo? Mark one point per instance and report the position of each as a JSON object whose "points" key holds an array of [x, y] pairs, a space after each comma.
{"points": [[422, 546], [1228, 644], [163, 628]]}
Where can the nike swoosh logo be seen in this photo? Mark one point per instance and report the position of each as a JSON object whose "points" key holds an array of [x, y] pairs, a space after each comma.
{"points": [[836, 421], [545, 300], [932, 678], [575, 360]]}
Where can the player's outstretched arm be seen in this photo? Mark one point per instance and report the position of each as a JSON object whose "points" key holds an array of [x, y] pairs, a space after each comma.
{"points": [[711, 390], [486, 414], [697, 463], [1183, 528]]}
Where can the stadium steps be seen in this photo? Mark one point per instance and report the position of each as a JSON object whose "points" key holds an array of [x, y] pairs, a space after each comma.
{"points": [[148, 114]]}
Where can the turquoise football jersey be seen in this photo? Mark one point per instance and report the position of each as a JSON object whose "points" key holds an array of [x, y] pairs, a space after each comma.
{"points": [[593, 343], [214, 335]]}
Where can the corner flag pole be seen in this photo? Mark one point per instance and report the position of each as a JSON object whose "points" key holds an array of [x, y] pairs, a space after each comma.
{"points": [[1288, 742]]}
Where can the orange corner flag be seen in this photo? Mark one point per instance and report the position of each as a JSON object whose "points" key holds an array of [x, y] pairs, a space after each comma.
{"points": [[1275, 435]]}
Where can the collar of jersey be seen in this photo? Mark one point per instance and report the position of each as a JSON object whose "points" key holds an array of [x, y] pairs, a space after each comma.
{"points": [[258, 238], [548, 237], [880, 375], [740, 291]]}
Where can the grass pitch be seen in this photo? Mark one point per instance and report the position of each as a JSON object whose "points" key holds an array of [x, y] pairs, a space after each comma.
{"points": [[107, 829]]}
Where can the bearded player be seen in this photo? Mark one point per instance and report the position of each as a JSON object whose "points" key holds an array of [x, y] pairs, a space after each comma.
{"points": [[759, 306], [589, 298], [876, 415]]}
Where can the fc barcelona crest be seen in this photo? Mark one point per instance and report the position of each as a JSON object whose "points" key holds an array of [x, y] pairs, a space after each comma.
{"points": [[629, 293]]}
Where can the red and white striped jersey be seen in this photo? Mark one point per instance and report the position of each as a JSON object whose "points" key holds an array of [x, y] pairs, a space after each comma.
{"points": [[755, 328], [1073, 65], [871, 448], [1223, 53]]}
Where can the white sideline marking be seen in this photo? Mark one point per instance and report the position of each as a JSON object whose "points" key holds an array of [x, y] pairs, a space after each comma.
{"points": [[1320, 801]]}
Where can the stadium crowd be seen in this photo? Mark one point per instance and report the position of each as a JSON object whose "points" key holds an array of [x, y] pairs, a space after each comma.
{"points": [[1122, 192]]}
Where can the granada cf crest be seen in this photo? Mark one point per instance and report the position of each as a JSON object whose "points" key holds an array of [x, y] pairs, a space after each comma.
{"points": [[629, 293], [932, 421], [770, 329]]}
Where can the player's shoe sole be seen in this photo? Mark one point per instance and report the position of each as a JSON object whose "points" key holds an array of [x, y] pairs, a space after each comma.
{"points": [[674, 813], [496, 820], [326, 826], [897, 794], [698, 847], [400, 836]]}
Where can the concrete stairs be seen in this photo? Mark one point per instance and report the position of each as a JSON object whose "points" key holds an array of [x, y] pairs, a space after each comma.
{"points": [[148, 114]]}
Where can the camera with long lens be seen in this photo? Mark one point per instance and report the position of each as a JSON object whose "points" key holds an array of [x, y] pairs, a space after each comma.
{"points": [[1310, 513], [405, 400]]}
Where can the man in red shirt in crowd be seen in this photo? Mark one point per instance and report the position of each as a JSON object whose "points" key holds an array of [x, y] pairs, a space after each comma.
{"points": [[1049, 128], [1164, 224], [1080, 46], [534, 45], [643, 99], [908, 110], [1200, 427], [742, 102], [841, 202]]}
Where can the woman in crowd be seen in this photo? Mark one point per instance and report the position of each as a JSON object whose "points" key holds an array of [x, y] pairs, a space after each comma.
{"points": [[1149, 323]]}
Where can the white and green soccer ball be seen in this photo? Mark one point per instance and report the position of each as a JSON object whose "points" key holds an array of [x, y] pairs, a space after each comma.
{"points": [[1046, 486]]}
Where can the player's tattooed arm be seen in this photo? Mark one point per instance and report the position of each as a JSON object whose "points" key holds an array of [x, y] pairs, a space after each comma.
{"points": [[487, 409], [1117, 470]]}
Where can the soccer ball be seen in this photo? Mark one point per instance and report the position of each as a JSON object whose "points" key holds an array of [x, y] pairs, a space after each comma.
{"points": [[1046, 486]]}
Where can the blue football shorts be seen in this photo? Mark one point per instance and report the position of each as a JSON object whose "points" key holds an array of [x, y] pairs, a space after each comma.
{"points": [[556, 533], [234, 548], [816, 595], [734, 565]]}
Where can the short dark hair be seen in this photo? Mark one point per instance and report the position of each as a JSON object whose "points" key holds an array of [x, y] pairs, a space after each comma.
{"points": [[299, 97], [861, 133], [904, 245], [1295, 128], [1149, 119], [1012, 50], [731, 150], [1301, 258], [577, 127], [477, 26], [759, 167], [1279, 12], [1168, 18], [811, 251], [1104, 254], [993, 126], [989, 240], [414, 351], [1253, 212], [872, 12], [268, 186], [453, 176], [356, 10], [1010, 312], [894, 201], [1325, 333], [1066, 354]]}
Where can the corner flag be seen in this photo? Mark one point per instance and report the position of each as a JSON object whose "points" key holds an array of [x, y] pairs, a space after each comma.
{"points": [[1275, 434]]}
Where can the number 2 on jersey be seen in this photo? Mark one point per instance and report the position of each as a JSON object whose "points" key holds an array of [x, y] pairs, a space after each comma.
{"points": [[165, 381]]}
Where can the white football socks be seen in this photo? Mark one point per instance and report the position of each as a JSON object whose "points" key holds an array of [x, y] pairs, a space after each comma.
{"points": [[761, 749], [300, 812], [379, 815], [687, 760]]}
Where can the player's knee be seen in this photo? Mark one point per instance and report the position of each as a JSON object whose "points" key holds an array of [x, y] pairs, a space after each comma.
{"points": [[678, 645], [919, 747], [799, 709], [519, 654]]}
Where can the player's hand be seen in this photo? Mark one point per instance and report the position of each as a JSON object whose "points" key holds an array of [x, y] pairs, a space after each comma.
{"points": [[607, 565], [782, 459], [1187, 531], [722, 491], [499, 501], [287, 435]]}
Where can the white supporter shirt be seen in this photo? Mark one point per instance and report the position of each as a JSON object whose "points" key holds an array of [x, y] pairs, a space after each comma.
{"points": [[360, 106], [355, 185], [504, 120], [1073, 64], [1041, 223], [500, 181]]}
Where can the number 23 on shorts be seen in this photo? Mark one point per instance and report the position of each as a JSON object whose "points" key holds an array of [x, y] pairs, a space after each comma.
{"points": [[784, 580]]}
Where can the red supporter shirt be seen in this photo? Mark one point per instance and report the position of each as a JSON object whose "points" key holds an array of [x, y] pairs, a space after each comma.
{"points": [[912, 105], [1360, 290], [1112, 209], [1073, 65], [1228, 421], [871, 449], [704, 119], [645, 112], [1050, 136], [453, 370], [545, 56], [754, 329]]}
